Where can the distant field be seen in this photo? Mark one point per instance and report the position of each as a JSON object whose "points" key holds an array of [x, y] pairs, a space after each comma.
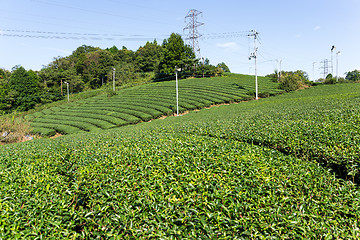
{"points": [[146, 102], [278, 168]]}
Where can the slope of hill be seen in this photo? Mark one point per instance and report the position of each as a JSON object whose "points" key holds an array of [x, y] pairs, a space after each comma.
{"points": [[258, 169], [146, 102]]}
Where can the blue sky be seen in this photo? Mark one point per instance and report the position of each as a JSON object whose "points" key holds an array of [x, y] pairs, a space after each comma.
{"points": [[299, 33]]}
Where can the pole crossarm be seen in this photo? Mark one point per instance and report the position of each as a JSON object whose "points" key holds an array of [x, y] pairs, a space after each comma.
{"points": [[254, 34]]}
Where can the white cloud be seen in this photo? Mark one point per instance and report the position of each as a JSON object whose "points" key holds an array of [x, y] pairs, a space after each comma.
{"points": [[229, 46], [317, 28]]}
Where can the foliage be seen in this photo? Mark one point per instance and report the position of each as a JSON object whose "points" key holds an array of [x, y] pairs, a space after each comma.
{"points": [[319, 123], [4, 75], [13, 129], [176, 54], [330, 79], [353, 76], [291, 81], [231, 172], [110, 92], [90, 68], [224, 67], [149, 57], [146, 102], [274, 76], [5, 104], [24, 89]]}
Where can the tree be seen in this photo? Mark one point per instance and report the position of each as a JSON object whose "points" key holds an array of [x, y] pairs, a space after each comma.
{"points": [[176, 53], [291, 81], [4, 75], [148, 57], [330, 79], [24, 89], [353, 76], [224, 67], [4, 90]]}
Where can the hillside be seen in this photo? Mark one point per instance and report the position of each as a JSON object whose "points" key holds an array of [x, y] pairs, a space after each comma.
{"points": [[280, 167], [146, 102]]}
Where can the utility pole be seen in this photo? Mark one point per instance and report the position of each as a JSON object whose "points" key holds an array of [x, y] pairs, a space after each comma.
{"points": [[279, 73], [67, 85], [254, 33], [337, 65], [114, 79], [332, 66], [177, 90], [314, 71], [193, 33]]}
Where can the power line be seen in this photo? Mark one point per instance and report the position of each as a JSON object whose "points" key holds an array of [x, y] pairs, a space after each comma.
{"points": [[71, 35], [61, 33], [103, 36]]}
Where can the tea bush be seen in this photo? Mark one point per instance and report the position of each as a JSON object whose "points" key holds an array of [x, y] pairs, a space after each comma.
{"points": [[146, 102]]}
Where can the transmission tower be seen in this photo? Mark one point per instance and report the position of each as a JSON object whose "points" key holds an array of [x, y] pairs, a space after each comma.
{"points": [[193, 34], [325, 67]]}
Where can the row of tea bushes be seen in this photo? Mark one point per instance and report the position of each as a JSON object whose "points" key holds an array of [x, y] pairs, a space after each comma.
{"points": [[146, 102], [141, 182], [321, 123]]}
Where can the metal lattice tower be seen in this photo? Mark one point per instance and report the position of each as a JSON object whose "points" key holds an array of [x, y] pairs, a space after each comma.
{"points": [[193, 34], [325, 67]]}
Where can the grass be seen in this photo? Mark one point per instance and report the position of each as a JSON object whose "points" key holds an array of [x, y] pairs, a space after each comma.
{"points": [[13, 129]]}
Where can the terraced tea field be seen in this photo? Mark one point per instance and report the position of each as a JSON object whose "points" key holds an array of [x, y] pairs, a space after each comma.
{"points": [[146, 102], [283, 167]]}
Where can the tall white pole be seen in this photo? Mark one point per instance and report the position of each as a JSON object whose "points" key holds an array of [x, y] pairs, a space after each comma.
{"points": [[177, 92], [114, 79], [254, 55], [279, 73], [280, 68], [67, 87], [314, 71], [332, 68], [68, 92], [256, 80], [332, 65], [203, 68], [337, 65]]}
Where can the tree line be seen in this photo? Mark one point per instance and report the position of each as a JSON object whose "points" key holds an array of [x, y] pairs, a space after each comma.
{"points": [[294, 80], [92, 67]]}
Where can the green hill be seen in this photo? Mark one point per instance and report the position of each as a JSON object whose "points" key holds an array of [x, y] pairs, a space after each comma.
{"points": [[146, 102], [281, 167]]}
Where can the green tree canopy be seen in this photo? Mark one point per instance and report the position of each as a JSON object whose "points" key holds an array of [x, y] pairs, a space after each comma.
{"points": [[291, 81], [176, 53], [91, 67], [353, 75], [223, 66], [24, 88], [148, 57]]}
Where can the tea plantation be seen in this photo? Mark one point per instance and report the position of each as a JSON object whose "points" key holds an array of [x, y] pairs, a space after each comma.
{"points": [[282, 167], [146, 102]]}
